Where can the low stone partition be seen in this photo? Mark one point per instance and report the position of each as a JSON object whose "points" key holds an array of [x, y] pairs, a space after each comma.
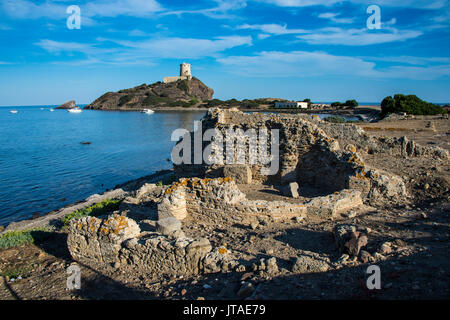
{"points": [[117, 241]]}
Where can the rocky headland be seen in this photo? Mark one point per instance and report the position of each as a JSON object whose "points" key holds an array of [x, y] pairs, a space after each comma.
{"points": [[182, 93]]}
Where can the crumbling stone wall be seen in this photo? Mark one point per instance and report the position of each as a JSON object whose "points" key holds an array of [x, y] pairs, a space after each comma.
{"points": [[308, 155]]}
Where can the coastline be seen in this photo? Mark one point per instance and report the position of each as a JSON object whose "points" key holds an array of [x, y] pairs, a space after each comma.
{"points": [[118, 192]]}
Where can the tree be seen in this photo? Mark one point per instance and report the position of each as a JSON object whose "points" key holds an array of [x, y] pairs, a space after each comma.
{"points": [[351, 103], [336, 104], [410, 104]]}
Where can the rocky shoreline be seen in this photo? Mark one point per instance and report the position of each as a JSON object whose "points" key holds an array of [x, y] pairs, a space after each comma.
{"points": [[344, 199]]}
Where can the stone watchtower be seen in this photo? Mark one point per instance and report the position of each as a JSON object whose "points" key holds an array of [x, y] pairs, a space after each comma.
{"points": [[185, 70], [185, 74]]}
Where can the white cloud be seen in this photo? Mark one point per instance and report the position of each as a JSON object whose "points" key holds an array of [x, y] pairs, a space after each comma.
{"points": [[220, 11], [338, 36], [303, 64], [144, 52], [425, 4], [25, 9], [357, 37], [189, 48], [334, 17], [274, 29]]}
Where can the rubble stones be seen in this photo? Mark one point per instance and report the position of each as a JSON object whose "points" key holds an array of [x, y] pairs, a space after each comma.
{"points": [[291, 190], [241, 174], [349, 240], [168, 226], [310, 262]]}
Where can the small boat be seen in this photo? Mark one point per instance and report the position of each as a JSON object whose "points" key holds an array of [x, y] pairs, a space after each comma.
{"points": [[147, 111], [14, 111], [75, 110], [51, 110]]}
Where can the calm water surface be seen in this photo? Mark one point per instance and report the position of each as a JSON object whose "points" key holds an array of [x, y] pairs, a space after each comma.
{"points": [[44, 166]]}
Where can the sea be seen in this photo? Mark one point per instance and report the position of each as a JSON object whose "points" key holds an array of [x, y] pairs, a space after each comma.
{"points": [[44, 164]]}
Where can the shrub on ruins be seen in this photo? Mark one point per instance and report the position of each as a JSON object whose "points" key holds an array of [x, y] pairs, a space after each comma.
{"points": [[337, 104], [335, 119], [95, 210], [410, 104]]}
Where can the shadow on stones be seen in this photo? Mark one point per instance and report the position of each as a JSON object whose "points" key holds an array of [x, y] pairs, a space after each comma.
{"points": [[321, 242]]}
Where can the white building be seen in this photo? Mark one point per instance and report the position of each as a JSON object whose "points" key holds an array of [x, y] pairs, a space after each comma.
{"points": [[185, 74], [301, 105]]}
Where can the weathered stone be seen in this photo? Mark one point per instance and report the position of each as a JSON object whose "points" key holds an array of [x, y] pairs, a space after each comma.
{"points": [[310, 262], [348, 239], [291, 190], [173, 204], [271, 265], [333, 205], [168, 226], [246, 290], [92, 240], [386, 248], [241, 174], [365, 256]]}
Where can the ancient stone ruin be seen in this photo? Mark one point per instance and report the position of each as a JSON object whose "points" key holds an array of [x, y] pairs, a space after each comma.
{"points": [[322, 176]]}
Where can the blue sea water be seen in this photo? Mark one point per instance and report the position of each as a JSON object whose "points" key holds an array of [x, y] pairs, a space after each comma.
{"points": [[44, 166]]}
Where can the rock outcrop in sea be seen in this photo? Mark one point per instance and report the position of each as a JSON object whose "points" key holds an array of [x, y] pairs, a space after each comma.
{"points": [[68, 105]]}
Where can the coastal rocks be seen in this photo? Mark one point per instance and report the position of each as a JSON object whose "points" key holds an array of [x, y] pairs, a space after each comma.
{"points": [[241, 174], [68, 105], [310, 262], [333, 205]]}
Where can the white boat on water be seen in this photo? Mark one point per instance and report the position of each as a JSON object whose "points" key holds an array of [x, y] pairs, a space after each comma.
{"points": [[51, 110], [75, 110], [147, 111], [14, 111]]}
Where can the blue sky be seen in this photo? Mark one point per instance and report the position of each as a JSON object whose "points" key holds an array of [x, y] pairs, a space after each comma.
{"points": [[294, 49]]}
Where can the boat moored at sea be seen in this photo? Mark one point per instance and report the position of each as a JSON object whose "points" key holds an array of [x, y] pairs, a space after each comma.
{"points": [[147, 111], [14, 111], [74, 110]]}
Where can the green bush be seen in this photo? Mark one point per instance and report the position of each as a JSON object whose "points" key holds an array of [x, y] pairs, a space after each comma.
{"points": [[183, 85], [125, 99], [95, 210], [153, 100], [335, 119], [17, 238], [351, 103], [337, 104], [410, 104]]}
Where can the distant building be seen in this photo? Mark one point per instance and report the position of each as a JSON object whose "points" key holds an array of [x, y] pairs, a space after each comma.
{"points": [[185, 74], [301, 105]]}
